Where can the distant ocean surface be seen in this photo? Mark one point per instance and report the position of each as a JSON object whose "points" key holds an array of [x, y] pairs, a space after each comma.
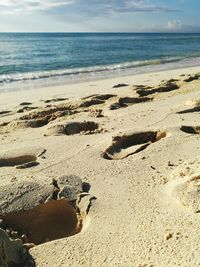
{"points": [[41, 59]]}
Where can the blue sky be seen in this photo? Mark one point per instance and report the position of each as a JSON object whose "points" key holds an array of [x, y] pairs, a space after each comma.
{"points": [[100, 15]]}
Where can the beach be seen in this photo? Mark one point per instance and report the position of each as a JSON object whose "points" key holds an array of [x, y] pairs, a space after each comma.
{"points": [[120, 155]]}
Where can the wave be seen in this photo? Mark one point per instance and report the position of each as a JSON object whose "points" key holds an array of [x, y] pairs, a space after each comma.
{"points": [[8, 78]]}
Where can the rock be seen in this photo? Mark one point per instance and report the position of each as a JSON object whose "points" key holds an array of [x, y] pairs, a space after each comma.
{"points": [[69, 192], [70, 180], [70, 187]]}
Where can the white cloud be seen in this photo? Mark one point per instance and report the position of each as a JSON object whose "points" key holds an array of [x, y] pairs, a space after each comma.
{"points": [[121, 6], [174, 25], [28, 6], [86, 6]]}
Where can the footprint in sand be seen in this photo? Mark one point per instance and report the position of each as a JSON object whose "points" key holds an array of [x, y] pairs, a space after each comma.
{"points": [[37, 212], [190, 129], [192, 78], [25, 108], [95, 100], [40, 118], [162, 88], [48, 114], [32, 123], [21, 158], [4, 113], [196, 108], [25, 104], [184, 190], [70, 128], [131, 143], [127, 101]]}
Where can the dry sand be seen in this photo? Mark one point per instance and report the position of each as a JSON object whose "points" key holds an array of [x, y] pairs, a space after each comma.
{"points": [[136, 149]]}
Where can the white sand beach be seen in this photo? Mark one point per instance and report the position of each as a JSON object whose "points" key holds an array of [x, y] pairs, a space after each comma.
{"points": [[128, 148]]}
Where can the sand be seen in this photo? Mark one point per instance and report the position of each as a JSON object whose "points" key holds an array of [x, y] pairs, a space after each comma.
{"points": [[136, 150]]}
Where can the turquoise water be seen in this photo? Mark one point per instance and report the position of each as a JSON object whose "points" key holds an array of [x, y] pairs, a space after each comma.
{"points": [[69, 57]]}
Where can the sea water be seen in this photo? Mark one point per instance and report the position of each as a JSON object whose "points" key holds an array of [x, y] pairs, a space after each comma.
{"points": [[30, 60]]}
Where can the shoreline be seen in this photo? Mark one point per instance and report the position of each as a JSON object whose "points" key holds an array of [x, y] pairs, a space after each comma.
{"points": [[93, 74], [10, 98]]}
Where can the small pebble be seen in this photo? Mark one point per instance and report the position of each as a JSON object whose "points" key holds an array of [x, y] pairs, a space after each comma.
{"points": [[168, 236]]}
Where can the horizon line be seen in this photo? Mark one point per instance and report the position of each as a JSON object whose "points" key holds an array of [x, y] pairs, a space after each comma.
{"points": [[128, 32]]}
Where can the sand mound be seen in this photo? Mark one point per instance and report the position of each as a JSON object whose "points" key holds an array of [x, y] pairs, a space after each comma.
{"points": [[131, 143]]}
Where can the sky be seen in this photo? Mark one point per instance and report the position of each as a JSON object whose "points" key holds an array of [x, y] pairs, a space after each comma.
{"points": [[99, 16]]}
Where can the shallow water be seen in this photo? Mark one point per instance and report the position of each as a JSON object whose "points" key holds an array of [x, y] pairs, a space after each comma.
{"points": [[54, 58]]}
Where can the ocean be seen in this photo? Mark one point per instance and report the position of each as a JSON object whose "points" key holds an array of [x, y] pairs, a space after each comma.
{"points": [[30, 60]]}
